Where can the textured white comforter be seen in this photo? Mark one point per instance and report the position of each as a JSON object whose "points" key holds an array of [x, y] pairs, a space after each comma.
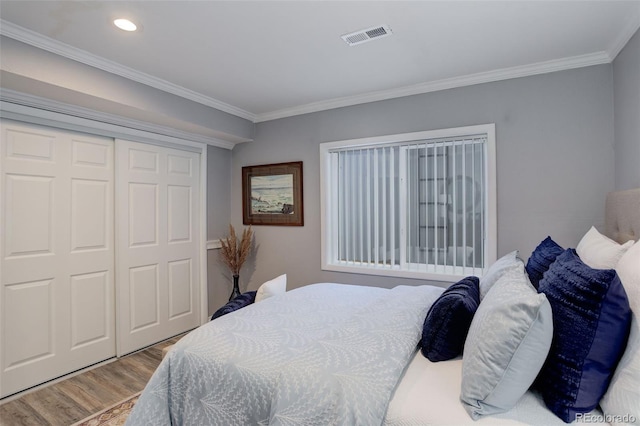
{"points": [[323, 354]]}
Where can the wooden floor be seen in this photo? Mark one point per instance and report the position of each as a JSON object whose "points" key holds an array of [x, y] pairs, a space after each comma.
{"points": [[77, 397]]}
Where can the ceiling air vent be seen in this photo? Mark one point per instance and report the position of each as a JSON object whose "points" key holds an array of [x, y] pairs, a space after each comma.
{"points": [[368, 34]]}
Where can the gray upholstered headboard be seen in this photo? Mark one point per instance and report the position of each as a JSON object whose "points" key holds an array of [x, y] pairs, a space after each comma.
{"points": [[622, 215]]}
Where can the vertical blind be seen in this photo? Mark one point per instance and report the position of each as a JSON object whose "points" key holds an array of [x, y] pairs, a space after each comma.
{"points": [[417, 206]]}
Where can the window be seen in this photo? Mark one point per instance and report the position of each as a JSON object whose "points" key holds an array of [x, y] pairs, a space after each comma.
{"points": [[417, 205]]}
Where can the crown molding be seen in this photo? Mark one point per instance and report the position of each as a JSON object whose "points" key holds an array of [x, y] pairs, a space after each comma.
{"points": [[448, 83], [22, 106], [40, 41], [625, 35], [30, 37]]}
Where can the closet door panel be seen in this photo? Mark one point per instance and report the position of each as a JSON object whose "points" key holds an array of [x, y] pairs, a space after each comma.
{"points": [[95, 156], [143, 214], [32, 289], [180, 288], [158, 243], [183, 239], [144, 294], [179, 214], [29, 336], [91, 248], [90, 316], [57, 254], [29, 215], [35, 144], [89, 216]]}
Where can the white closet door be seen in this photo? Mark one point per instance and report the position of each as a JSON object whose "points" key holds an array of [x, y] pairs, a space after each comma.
{"points": [[158, 243], [56, 254]]}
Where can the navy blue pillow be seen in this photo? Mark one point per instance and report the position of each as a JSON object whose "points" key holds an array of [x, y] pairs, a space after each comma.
{"points": [[591, 321], [541, 258], [448, 320], [233, 305]]}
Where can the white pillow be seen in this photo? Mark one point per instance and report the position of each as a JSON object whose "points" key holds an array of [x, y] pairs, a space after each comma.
{"points": [[497, 269], [623, 396], [273, 287], [599, 251]]}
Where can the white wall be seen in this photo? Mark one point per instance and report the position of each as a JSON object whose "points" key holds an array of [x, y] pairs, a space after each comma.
{"points": [[626, 84], [555, 162]]}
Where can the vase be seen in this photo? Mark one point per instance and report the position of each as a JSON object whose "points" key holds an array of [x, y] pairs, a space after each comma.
{"points": [[236, 289]]}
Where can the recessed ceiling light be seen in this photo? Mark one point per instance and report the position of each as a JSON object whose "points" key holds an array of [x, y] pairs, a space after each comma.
{"points": [[125, 24]]}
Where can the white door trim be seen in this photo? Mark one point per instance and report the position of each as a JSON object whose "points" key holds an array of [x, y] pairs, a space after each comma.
{"points": [[204, 294]]}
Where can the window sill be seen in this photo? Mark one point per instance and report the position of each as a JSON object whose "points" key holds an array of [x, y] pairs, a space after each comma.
{"points": [[447, 274]]}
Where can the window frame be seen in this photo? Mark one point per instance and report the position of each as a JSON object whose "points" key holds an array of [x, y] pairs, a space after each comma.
{"points": [[328, 225]]}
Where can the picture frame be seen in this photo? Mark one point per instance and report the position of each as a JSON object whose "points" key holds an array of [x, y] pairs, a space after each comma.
{"points": [[272, 194]]}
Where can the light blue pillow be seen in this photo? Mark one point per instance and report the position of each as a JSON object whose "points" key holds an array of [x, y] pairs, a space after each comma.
{"points": [[507, 344], [497, 269]]}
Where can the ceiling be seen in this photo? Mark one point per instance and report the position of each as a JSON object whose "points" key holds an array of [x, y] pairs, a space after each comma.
{"points": [[269, 59]]}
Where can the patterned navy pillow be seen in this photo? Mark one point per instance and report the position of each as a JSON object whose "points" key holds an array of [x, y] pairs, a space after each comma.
{"points": [[591, 320], [233, 305], [541, 258], [448, 320]]}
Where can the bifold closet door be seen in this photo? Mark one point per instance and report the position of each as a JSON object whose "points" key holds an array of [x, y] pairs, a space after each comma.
{"points": [[56, 254], [158, 243]]}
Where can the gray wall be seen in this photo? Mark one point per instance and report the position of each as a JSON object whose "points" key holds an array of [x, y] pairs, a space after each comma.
{"points": [[554, 134], [218, 214], [626, 84], [34, 71], [555, 163]]}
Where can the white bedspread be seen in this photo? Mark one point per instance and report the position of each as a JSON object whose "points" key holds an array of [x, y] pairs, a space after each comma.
{"points": [[323, 354], [429, 394]]}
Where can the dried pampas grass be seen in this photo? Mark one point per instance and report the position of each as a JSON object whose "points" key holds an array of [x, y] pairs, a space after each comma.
{"points": [[232, 254]]}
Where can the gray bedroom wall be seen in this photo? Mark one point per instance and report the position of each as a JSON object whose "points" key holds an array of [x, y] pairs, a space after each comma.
{"points": [[37, 72], [218, 214], [626, 84], [555, 163]]}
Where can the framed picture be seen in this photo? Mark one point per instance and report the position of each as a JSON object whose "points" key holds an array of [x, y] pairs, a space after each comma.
{"points": [[272, 194]]}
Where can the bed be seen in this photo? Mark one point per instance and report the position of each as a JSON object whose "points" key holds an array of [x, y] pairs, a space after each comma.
{"points": [[331, 353]]}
